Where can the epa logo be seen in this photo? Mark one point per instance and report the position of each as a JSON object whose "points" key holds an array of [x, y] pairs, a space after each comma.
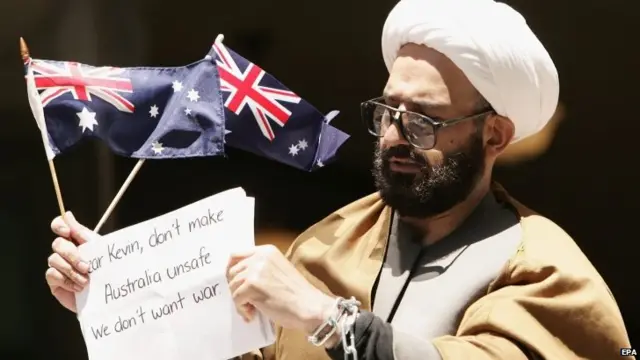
{"points": [[628, 352]]}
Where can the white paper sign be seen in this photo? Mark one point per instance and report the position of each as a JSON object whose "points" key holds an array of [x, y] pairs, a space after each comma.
{"points": [[158, 289]]}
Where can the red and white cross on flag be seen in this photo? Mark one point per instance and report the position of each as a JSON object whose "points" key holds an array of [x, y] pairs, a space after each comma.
{"points": [[82, 81], [245, 90]]}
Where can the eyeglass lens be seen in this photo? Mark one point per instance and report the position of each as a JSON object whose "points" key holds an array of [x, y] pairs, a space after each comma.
{"points": [[417, 130]]}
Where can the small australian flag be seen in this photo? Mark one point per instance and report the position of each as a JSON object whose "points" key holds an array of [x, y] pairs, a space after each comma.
{"points": [[142, 112], [264, 117]]}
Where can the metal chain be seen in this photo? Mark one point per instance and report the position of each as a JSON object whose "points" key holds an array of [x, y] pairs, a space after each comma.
{"points": [[329, 327], [348, 333], [346, 313]]}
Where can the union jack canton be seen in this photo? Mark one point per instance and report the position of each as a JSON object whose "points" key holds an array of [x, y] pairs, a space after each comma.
{"points": [[264, 117], [142, 112]]}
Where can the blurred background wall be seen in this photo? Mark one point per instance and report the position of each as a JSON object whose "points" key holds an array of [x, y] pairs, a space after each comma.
{"points": [[581, 172]]}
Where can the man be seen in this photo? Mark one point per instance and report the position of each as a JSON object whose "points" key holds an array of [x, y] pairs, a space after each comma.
{"points": [[440, 263]]}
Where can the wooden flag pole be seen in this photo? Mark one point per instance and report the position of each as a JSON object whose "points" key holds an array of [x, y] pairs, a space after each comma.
{"points": [[26, 58], [116, 199], [129, 179], [56, 185]]}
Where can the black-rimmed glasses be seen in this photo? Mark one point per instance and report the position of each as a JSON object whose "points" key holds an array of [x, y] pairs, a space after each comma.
{"points": [[419, 130]]}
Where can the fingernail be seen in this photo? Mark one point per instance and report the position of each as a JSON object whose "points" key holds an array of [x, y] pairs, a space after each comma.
{"points": [[77, 288], [83, 267], [63, 229]]}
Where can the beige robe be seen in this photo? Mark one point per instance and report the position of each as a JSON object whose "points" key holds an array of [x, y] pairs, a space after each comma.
{"points": [[559, 306]]}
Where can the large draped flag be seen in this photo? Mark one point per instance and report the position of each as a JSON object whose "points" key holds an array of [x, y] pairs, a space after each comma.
{"points": [[142, 112], [268, 119]]}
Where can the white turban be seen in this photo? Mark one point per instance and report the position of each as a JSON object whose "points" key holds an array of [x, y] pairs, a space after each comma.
{"points": [[493, 46]]}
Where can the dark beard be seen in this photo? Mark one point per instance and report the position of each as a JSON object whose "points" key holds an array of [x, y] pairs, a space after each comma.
{"points": [[435, 189]]}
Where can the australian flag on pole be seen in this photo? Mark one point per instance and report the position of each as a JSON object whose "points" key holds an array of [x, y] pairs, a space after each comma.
{"points": [[264, 117], [142, 112]]}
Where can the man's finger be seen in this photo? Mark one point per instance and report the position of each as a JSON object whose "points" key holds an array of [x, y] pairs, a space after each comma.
{"points": [[79, 233], [60, 228], [236, 269], [241, 294], [236, 281], [69, 252], [57, 262], [248, 312], [239, 256], [56, 280]]}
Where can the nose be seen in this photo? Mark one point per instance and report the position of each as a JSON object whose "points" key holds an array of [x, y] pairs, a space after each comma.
{"points": [[393, 135]]}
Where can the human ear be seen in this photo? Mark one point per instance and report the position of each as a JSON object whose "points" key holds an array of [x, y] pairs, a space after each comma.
{"points": [[499, 132]]}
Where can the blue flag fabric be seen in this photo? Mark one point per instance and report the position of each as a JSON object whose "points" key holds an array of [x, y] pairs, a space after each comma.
{"points": [[268, 119], [142, 112]]}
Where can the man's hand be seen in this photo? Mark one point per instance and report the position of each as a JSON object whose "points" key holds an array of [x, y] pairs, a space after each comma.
{"points": [[264, 279], [67, 273]]}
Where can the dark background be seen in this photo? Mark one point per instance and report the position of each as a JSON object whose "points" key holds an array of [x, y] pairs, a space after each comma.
{"points": [[329, 53]]}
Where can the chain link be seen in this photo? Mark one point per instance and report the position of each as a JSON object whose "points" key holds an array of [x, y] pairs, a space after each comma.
{"points": [[345, 315], [348, 333]]}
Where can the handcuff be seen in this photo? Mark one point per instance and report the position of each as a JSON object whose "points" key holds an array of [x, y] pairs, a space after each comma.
{"points": [[345, 312]]}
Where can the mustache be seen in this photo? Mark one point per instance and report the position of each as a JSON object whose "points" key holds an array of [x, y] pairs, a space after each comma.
{"points": [[402, 152]]}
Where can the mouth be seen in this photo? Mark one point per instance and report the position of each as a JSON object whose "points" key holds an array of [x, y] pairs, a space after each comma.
{"points": [[404, 165]]}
